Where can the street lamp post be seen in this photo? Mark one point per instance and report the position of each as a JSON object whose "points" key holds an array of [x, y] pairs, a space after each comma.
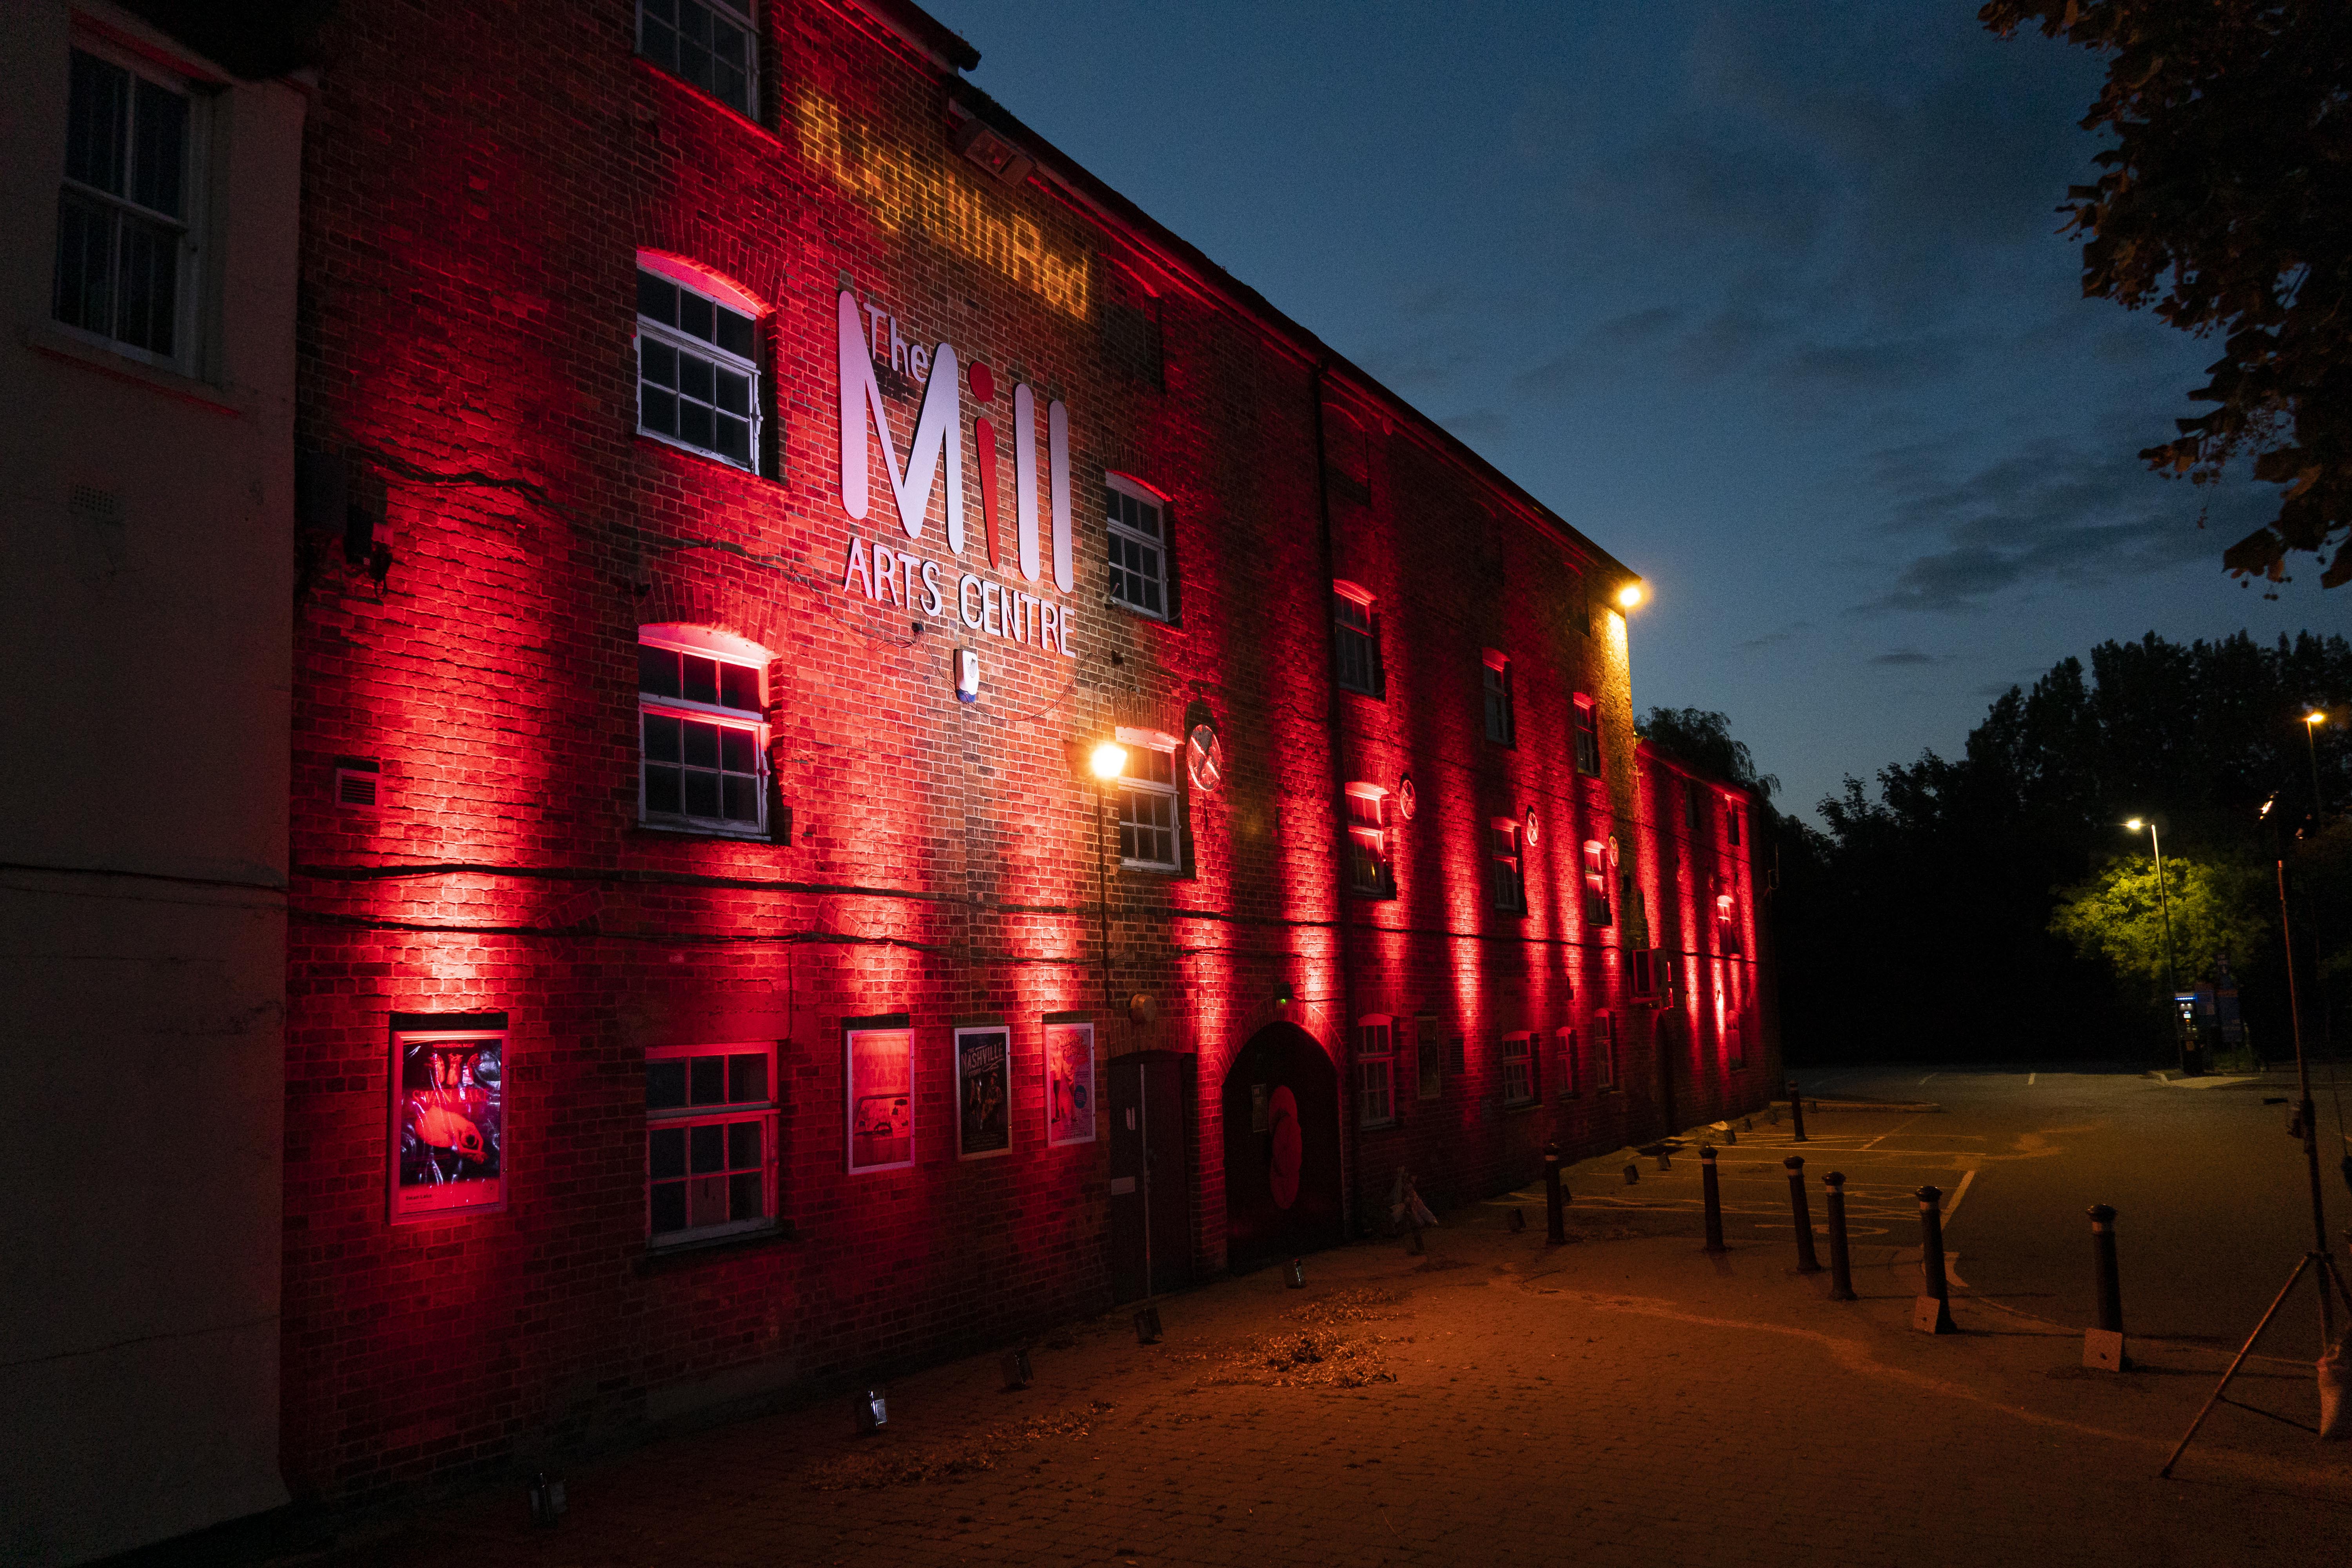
{"points": [[2171, 964], [1107, 762], [2311, 723]]}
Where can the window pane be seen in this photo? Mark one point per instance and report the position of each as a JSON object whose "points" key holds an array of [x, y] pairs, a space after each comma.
{"points": [[668, 1208], [161, 127], [657, 34], [656, 298], [696, 379], [746, 1197], [85, 289], [97, 116], [702, 744], [734, 439], [740, 799], [694, 316], [735, 332], [657, 410], [743, 1145], [151, 285], [702, 795], [734, 393], [709, 1080], [694, 424], [665, 1152], [664, 795], [747, 1078], [658, 362], [661, 738], [707, 1149], [700, 678], [665, 1085], [739, 687], [737, 754], [656, 670]]}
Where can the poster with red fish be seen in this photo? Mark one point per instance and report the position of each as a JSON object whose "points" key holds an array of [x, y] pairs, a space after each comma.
{"points": [[881, 1101], [449, 1124], [1069, 1083]]}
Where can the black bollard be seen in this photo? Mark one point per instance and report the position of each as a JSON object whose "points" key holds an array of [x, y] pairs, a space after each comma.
{"points": [[1555, 1207], [1841, 1265], [1633, 1174], [1796, 1113], [1806, 1262], [2102, 1347], [1932, 1312], [1714, 1192]]}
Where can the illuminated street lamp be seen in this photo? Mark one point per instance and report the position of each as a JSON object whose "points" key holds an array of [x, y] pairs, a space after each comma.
{"points": [[2311, 723], [1629, 597], [2171, 968]]}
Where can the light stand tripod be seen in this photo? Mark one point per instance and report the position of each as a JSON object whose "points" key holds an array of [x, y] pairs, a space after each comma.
{"points": [[2319, 1257]]}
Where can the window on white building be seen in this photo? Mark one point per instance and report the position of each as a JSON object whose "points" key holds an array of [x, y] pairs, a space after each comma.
{"points": [[703, 733], [696, 384], [1151, 813], [126, 254], [706, 44], [1375, 1071], [710, 1142], [1138, 546]]}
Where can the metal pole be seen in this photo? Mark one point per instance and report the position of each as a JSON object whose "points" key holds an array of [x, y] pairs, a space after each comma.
{"points": [[2310, 1115], [2171, 966], [1796, 1113], [1841, 1266], [1714, 1193], [2311, 741], [1806, 1262], [1102, 878], [2103, 1262], [1931, 1266], [1555, 1216]]}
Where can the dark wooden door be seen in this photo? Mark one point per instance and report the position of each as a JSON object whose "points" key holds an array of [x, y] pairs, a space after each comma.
{"points": [[1151, 1187], [1282, 1148]]}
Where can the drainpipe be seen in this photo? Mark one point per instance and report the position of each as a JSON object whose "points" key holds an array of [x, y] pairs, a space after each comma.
{"points": [[1333, 708]]}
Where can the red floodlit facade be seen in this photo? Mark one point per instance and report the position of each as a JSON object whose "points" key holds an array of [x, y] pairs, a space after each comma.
{"points": [[716, 970]]}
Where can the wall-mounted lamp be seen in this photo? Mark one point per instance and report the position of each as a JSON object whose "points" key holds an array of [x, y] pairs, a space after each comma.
{"points": [[1629, 597], [1107, 761]]}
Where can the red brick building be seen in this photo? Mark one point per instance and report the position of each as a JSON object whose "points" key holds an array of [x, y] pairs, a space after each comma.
{"points": [[769, 473]]}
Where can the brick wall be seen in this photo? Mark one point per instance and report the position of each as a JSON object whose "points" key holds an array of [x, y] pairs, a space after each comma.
{"points": [[478, 186]]}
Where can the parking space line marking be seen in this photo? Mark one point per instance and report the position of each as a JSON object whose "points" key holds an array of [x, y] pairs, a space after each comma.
{"points": [[1957, 1194]]}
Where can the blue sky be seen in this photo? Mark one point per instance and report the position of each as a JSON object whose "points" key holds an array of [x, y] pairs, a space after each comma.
{"points": [[1769, 298]]}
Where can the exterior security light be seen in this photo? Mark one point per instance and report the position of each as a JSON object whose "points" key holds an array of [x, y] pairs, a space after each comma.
{"points": [[1630, 595], [1110, 760], [967, 675]]}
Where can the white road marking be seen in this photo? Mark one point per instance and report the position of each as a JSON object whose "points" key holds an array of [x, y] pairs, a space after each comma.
{"points": [[1957, 1194], [1889, 1133], [1931, 1077]]}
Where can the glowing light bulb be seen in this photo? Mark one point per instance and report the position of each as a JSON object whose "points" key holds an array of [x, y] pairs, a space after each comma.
{"points": [[1630, 595], [1109, 760], [2317, 716], [2134, 825]]}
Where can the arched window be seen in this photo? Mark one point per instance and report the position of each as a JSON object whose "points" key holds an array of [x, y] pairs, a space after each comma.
{"points": [[702, 731], [698, 382]]}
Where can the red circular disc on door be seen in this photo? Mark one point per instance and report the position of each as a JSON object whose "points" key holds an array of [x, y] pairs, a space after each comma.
{"points": [[1283, 1162]]}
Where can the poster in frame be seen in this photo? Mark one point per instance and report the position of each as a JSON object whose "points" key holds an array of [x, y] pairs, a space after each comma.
{"points": [[984, 1067], [449, 1146], [1069, 1080], [879, 1065]]}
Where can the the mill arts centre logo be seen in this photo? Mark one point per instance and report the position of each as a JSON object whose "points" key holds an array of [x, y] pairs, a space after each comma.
{"points": [[869, 337]]}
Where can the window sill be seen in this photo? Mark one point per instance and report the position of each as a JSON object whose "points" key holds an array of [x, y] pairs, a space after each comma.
{"points": [[1164, 873], [708, 456], [1140, 612], [687, 1253], [721, 104], [65, 343], [711, 835]]}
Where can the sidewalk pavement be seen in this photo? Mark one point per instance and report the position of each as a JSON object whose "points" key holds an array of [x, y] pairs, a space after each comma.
{"points": [[1497, 1400]]}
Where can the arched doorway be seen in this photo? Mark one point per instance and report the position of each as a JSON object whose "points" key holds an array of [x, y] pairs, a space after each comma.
{"points": [[1282, 1148]]}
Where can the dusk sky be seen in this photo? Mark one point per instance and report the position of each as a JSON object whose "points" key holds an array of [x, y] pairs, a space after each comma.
{"points": [[1767, 299]]}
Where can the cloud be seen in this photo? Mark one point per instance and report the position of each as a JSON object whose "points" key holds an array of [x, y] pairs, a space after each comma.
{"points": [[2051, 512], [1880, 366], [1777, 635], [1908, 656]]}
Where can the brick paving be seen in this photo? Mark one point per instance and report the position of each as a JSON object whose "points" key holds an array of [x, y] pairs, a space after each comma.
{"points": [[1624, 1400]]}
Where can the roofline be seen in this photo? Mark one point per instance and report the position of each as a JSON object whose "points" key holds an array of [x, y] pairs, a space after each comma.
{"points": [[1068, 178]]}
